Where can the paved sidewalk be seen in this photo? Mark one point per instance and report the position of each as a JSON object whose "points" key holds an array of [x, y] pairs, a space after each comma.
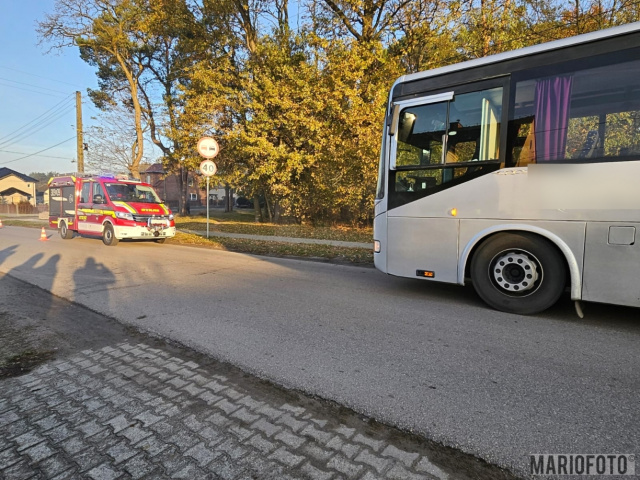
{"points": [[133, 411]]}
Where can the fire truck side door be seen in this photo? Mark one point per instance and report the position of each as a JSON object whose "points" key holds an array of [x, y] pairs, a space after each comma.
{"points": [[84, 208], [100, 207]]}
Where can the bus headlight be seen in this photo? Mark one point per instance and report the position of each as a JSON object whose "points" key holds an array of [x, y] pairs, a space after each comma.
{"points": [[376, 246], [124, 215]]}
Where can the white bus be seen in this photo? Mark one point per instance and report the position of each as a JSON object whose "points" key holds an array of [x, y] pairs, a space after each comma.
{"points": [[519, 172]]}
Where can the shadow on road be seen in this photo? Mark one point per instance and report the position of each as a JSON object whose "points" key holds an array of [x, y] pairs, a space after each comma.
{"points": [[92, 282]]}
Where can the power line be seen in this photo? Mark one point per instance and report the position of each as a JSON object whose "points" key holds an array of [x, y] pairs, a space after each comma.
{"points": [[29, 123], [31, 90], [49, 120], [38, 126], [43, 150], [22, 153], [40, 76], [31, 85]]}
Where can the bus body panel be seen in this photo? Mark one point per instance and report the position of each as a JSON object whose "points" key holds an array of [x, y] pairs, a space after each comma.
{"points": [[380, 234], [612, 256], [414, 244]]}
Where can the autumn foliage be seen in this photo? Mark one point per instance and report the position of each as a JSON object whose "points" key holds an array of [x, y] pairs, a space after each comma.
{"points": [[296, 99]]}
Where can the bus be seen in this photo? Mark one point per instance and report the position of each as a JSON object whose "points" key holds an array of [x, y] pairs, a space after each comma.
{"points": [[518, 172]]}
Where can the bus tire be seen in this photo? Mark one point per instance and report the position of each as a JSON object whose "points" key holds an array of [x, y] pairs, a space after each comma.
{"points": [[160, 240], [518, 273], [65, 233], [109, 236]]}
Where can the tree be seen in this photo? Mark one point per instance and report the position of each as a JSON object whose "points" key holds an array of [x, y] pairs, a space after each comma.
{"points": [[112, 143], [107, 34]]}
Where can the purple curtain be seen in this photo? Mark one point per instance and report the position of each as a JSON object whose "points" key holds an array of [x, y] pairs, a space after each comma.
{"points": [[552, 102]]}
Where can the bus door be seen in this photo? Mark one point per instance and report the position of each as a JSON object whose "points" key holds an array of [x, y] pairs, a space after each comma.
{"points": [[437, 142]]}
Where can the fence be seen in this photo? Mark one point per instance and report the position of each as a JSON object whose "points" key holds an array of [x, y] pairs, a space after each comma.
{"points": [[22, 208]]}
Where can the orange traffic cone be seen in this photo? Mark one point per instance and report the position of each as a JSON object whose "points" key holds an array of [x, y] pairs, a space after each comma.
{"points": [[43, 235], [0, 223]]}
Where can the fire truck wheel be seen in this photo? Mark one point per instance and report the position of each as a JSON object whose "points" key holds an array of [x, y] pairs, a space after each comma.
{"points": [[65, 232], [109, 236], [159, 240]]}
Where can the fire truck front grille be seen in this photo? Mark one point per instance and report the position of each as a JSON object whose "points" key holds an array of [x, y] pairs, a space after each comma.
{"points": [[145, 218]]}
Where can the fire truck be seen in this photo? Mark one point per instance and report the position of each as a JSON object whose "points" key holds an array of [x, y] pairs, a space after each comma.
{"points": [[113, 208]]}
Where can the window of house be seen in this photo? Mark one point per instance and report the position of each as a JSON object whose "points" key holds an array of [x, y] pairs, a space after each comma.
{"points": [[193, 196]]}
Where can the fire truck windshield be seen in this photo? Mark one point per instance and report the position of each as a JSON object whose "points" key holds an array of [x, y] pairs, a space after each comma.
{"points": [[131, 192]]}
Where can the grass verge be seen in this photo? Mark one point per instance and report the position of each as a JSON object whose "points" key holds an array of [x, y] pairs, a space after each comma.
{"points": [[24, 223], [244, 224], [360, 256], [24, 362]]}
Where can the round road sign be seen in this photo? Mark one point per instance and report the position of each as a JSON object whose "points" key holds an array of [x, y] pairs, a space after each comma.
{"points": [[208, 168], [208, 147]]}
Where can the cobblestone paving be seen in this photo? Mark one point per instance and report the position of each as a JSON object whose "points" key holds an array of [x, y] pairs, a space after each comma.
{"points": [[133, 411]]}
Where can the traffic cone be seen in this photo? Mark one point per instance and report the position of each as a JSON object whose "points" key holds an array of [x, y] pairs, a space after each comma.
{"points": [[0, 223], [43, 235]]}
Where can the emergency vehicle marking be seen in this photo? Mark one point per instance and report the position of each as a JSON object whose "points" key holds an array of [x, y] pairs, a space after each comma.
{"points": [[109, 213], [129, 208]]}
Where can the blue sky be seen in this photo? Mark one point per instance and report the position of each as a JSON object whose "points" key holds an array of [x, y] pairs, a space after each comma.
{"points": [[37, 93]]}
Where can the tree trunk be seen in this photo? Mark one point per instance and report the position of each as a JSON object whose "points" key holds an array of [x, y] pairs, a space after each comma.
{"points": [[227, 198], [184, 185], [267, 205], [257, 210]]}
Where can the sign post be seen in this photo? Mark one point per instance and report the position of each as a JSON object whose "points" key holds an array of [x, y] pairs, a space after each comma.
{"points": [[208, 148]]}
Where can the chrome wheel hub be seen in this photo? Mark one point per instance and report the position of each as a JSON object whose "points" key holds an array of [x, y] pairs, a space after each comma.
{"points": [[516, 272]]}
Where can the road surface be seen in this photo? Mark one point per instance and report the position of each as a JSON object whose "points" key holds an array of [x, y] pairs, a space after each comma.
{"points": [[428, 358]]}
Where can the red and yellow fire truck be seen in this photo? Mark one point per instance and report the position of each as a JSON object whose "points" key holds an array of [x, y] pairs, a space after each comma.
{"points": [[108, 207]]}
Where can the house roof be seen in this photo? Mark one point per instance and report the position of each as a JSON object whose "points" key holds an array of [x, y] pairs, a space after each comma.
{"points": [[6, 172], [13, 191], [155, 168]]}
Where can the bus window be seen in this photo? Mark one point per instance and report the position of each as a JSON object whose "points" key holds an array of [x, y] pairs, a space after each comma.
{"points": [[474, 128], [432, 138], [579, 116], [421, 131]]}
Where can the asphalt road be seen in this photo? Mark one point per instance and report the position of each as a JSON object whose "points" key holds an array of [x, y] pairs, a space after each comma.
{"points": [[424, 357]]}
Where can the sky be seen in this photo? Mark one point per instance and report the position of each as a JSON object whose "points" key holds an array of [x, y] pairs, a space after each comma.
{"points": [[37, 93]]}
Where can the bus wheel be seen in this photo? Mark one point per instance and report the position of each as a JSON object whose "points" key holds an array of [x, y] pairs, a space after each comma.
{"points": [[518, 273], [159, 240], [108, 236], [65, 232]]}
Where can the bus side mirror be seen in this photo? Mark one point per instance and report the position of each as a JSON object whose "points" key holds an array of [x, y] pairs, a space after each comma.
{"points": [[393, 128]]}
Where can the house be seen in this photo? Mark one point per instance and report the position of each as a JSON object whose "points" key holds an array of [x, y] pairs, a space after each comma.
{"points": [[16, 187], [167, 185]]}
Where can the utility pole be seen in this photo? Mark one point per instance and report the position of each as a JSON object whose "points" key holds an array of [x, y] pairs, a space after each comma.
{"points": [[80, 144]]}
